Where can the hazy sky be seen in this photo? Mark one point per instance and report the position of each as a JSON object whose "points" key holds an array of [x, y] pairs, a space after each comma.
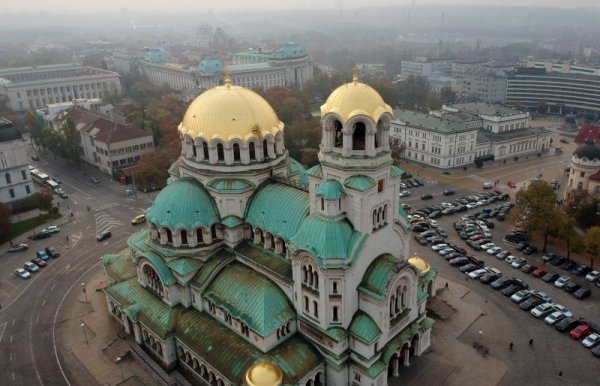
{"points": [[232, 5]]}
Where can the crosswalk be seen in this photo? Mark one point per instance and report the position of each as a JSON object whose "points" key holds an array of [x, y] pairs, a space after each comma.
{"points": [[479, 178], [107, 205], [105, 222]]}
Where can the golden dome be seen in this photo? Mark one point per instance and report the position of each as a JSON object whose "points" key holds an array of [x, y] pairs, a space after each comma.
{"points": [[355, 98], [419, 264], [264, 374], [229, 112]]}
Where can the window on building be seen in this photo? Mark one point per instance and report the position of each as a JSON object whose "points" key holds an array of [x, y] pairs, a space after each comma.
{"points": [[7, 177], [27, 189], [12, 193], [380, 186], [252, 151], [582, 174], [236, 152], [338, 135], [220, 152], [265, 149], [359, 136], [335, 314], [315, 309], [24, 175], [306, 303], [335, 287]]}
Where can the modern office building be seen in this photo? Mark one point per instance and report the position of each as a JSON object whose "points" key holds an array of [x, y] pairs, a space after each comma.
{"points": [[35, 87], [251, 267], [15, 180], [483, 85], [425, 67]]}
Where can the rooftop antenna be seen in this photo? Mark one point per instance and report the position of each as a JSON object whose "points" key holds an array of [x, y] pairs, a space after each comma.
{"points": [[441, 36]]}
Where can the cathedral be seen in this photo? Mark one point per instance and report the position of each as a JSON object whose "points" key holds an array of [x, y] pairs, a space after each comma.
{"points": [[252, 270]]}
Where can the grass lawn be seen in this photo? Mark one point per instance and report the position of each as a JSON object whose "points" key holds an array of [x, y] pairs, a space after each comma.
{"points": [[19, 228]]}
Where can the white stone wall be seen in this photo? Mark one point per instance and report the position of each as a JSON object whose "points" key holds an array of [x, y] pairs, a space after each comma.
{"points": [[14, 162]]}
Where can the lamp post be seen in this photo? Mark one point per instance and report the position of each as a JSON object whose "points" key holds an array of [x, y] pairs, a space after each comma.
{"points": [[84, 333], [84, 293], [119, 359]]}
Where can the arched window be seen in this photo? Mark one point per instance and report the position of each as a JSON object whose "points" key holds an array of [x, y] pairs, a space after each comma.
{"points": [[335, 287], [359, 136], [379, 134], [322, 204], [265, 149], [213, 230], [169, 236], [184, 240], [252, 151], [220, 152], [338, 134], [306, 303], [194, 151], [315, 309], [205, 150], [236, 152], [7, 176], [384, 213], [335, 314], [199, 235]]}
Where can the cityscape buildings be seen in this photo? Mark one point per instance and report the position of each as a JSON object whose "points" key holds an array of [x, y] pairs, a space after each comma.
{"points": [[15, 179]]}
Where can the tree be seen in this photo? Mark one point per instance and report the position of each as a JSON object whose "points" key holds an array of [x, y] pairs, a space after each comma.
{"points": [[71, 142], [5, 219], [300, 134], [397, 149], [388, 91], [535, 208], [447, 95], [309, 157], [565, 229], [592, 244], [414, 94], [35, 128], [42, 200]]}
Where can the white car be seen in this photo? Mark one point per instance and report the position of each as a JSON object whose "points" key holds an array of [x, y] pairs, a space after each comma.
{"points": [[493, 250], [554, 318], [51, 229], [510, 259], [521, 295], [20, 272], [561, 281], [446, 205], [592, 276], [477, 273], [591, 340], [518, 263], [542, 310], [31, 267], [404, 193], [439, 247], [403, 185], [487, 233], [434, 223], [488, 185], [471, 205], [481, 202], [542, 295], [563, 309], [487, 246]]}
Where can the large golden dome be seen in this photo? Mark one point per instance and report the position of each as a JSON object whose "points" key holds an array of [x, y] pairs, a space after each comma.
{"points": [[229, 112], [419, 264], [264, 374], [355, 98]]}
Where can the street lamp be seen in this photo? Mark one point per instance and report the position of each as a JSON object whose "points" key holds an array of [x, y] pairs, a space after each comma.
{"points": [[84, 293], [119, 359], [84, 333]]}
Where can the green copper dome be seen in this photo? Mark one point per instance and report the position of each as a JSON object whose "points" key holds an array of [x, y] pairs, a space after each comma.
{"points": [[183, 204], [330, 190]]}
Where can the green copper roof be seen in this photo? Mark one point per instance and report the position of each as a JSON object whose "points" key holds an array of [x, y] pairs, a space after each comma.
{"points": [[251, 297], [326, 239], [230, 185], [428, 276], [278, 208], [232, 355], [376, 369], [184, 265], [149, 308], [138, 240], [119, 267], [364, 328], [315, 171], [378, 275], [402, 212], [210, 66], [219, 259], [184, 203], [268, 260], [426, 323], [421, 295], [360, 183], [159, 265], [232, 221], [396, 171], [330, 190], [296, 168], [336, 333], [174, 169]]}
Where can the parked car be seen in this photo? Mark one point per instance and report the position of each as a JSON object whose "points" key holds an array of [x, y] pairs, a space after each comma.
{"points": [[528, 304], [426, 197], [459, 261], [580, 331], [103, 236], [448, 192], [41, 235], [591, 340], [490, 276], [511, 185], [540, 272], [582, 293], [52, 252], [469, 267], [521, 296], [550, 277], [518, 263], [39, 262], [41, 255], [18, 247], [568, 265], [421, 240], [528, 268], [501, 283], [558, 260], [23, 274], [488, 185], [477, 273], [51, 229], [63, 195], [31, 267], [542, 310], [531, 249], [438, 247], [580, 270], [561, 281], [405, 193], [567, 324], [554, 317], [592, 276], [571, 287], [95, 180]]}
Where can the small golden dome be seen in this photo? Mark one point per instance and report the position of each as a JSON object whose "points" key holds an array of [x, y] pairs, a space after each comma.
{"points": [[264, 374], [355, 98], [229, 112], [420, 264]]}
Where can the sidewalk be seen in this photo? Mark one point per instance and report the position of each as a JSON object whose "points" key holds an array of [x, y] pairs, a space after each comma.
{"points": [[83, 344]]}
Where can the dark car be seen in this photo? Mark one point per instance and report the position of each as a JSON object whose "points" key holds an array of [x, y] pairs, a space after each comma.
{"points": [[516, 285], [530, 303], [571, 287], [558, 260], [489, 277], [567, 324], [448, 192], [52, 252], [470, 267], [580, 270], [421, 240], [459, 249], [419, 182], [500, 217], [522, 245], [41, 235], [549, 256], [436, 240], [501, 283], [419, 228], [442, 232], [103, 236], [63, 195], [426, 197], [95, 180], [448, 211], [530, 250], [582, 293], [550, 277], [435, 214], [35, 158], [528, 268], [18, 247], [568, 265], [459, 261]]}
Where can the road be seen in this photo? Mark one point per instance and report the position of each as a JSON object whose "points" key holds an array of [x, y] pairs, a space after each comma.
{"points": [[31, 309]]}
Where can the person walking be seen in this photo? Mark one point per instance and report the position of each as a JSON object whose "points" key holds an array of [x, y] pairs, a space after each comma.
{"points": [[510, 346], [531, 342]]}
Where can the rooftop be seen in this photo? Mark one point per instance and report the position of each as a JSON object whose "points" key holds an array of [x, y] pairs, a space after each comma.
{"points": [[509, 135], [431, 122], [487, 109], [103, 129]]}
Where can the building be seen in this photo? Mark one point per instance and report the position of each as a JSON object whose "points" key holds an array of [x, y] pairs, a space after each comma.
{"points": [[425, 67], [585, 170], [248, 258], [106, 144], [588, 131], [558, 88], [483, 85], [15, 180], [35, 87], [467, 133], [49, 114]]}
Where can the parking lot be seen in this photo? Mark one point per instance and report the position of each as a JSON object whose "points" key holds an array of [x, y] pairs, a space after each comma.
{"points": [[561, 348]]}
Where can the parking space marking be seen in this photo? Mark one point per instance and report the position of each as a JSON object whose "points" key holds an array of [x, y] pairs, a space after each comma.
{"points": [[3, 328]]}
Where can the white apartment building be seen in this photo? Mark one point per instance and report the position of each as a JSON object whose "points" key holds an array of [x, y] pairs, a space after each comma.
{"points": [[483, 85], [496, 118], [15, 180], [425, 67], [35, 87]]}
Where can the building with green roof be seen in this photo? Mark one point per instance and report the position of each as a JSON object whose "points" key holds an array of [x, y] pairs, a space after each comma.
{"points": [[248, 259]]}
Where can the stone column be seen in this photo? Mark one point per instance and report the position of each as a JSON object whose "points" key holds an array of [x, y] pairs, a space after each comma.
{"points": [[137, 333], [347, 145], [125, 322], [406, 356], [245, 153], [396, 367]]}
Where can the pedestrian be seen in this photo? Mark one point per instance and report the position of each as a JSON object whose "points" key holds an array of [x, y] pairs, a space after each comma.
{"points": [[531, 342], [447, 285], [560, 373], [510, 346], [67, 238]]}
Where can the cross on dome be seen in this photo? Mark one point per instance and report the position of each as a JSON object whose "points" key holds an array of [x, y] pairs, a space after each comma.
{"points": [[355, 73]]}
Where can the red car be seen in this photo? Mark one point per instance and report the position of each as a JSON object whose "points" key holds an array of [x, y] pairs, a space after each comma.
{"points": [[580, 331], [39, 262], [539, 272], [511, 184]]}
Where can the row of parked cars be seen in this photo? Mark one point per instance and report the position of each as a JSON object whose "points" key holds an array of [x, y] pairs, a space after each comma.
{"points": [[40, 261], [460, 204], [538, 303]]}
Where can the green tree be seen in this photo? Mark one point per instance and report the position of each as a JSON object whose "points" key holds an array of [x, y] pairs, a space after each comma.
{"points": [[5, 219], [565, 229], [388, 91], [592, 244], [536, 210], [71, 140], [35, 128], [448, 96], [414, 94], [309, 157], [41, 200]]}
